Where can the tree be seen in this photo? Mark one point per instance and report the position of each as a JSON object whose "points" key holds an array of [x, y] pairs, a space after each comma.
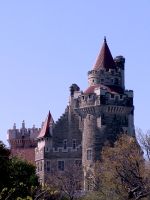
{"points": [[68, 182], [17, 177], [124, 171], [121, 174], [4, 163]]}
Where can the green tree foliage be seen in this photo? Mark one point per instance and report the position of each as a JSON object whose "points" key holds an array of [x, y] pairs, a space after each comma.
{"points": [[4, 163], [17, 177], [22, 172]]}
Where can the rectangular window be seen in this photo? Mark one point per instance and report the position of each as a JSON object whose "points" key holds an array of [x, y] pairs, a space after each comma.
{"points": [[61, 165], [89, 154], [112, 96], [41, 166], [65, 144], [48, 166], [37, 167], [74, 144]]}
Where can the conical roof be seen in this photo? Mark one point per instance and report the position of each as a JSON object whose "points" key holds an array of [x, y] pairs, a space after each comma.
{"points": [[104, 59], [45, 129]]}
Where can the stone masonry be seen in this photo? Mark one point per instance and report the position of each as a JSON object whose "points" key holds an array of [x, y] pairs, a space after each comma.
{"points": [[93, 118]]}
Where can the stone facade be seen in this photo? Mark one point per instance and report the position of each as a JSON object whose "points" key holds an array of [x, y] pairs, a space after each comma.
{"points": [[92, 119]]}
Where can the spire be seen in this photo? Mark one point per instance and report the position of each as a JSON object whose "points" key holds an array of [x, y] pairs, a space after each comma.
{"points": [[104, 59], [45, 130]]}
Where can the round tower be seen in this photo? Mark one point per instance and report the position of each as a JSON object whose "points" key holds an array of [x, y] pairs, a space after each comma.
{"points": [[88, 145], [93, 77]]}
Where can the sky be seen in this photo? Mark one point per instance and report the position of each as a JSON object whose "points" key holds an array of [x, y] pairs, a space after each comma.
{"points": [[46, 45]]}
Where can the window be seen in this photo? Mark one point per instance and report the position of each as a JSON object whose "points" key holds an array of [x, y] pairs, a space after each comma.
{"points": [[116, 81], [112, 96], [61, 165], [46, 149], [89, 154], [48, 166], [41, 167], [121, 96], [89, 96], [112, 72], [65, 144], [37, 167], [102, 71], [74, 144]]}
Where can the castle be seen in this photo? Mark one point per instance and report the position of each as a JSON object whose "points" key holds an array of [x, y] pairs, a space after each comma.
{"points": [[92, 119]]}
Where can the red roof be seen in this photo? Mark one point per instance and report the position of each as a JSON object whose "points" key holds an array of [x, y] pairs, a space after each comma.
{"points": [[91, 89], [111, 89], [104, 59], [45, 129]]}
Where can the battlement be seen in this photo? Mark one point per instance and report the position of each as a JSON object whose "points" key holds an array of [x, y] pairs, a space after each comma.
{"points": [[23, 137], [103, 96], [57, 152], [129, 93], [93, 72]]}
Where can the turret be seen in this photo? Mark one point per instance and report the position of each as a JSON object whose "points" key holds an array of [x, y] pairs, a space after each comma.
{"points": [[107, 71], [120, 62], [45, 135]]}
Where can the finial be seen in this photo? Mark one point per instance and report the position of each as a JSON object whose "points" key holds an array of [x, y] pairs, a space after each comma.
{"points": [[23, 124], [105, 39]]}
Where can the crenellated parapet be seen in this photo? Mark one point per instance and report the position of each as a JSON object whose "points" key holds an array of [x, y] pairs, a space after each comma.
{"points": [[23, 137]]}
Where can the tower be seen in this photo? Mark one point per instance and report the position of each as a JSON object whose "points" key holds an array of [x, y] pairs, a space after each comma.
{"points": [[44, 144], [23, 142], [105, 107], [92, 119]]}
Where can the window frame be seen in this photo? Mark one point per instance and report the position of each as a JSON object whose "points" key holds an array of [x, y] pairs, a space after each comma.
{"points": [[61, 165]]}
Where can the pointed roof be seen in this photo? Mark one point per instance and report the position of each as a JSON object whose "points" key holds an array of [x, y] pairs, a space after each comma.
{"points": [[45, 129], [104, 59]]}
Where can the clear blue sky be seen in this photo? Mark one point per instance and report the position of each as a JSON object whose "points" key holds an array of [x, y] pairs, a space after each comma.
{"points": [[46, 45]]}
